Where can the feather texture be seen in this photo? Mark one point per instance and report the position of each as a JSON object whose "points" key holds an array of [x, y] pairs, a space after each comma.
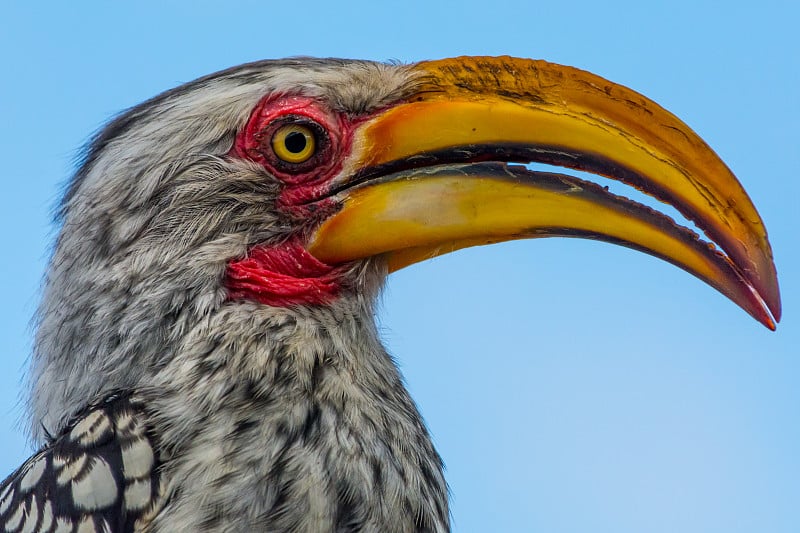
{"points": [[266, 418], [99, 475]]}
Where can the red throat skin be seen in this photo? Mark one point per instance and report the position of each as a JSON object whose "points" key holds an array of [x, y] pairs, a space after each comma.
{"points": [[283, 276]]}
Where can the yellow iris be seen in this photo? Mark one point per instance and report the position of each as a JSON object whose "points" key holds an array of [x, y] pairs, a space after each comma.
{"points": [[294, 143]]}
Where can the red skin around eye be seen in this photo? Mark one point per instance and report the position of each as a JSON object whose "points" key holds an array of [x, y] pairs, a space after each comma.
{"points": [[253, 143], [287, 275]]}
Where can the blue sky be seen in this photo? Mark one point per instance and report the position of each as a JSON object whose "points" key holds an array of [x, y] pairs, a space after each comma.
{"points": [[570, 386]]}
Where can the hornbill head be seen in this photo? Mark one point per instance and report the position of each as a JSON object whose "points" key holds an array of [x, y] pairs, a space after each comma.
{"points": [[301, 183]]}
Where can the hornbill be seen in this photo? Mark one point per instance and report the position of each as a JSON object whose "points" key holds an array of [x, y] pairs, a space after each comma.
{"points": [[206, 356]]}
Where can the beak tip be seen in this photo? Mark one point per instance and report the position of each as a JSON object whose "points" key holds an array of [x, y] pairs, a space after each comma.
{"points": [[769, 306], [776, 314], [775, 306], [770, 294]]}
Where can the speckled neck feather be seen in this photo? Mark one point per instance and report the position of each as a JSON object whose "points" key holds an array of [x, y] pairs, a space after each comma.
{"points": [[274, 404]]}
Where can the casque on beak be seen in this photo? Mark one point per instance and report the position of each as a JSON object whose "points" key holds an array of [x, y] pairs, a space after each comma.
{"points": [[432, 176]]}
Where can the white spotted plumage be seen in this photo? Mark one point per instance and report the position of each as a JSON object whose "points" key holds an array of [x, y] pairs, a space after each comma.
{"points": [[77, 482], [33, 474], [92, 429], [96, 489]]}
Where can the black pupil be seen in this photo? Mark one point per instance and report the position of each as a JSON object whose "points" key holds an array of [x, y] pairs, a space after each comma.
{"points": [[295, 142]]}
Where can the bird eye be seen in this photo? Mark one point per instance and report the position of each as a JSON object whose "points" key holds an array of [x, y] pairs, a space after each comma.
{"points": [[295, 139], [294, 143]]}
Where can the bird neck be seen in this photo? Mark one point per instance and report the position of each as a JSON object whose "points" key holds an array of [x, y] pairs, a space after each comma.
{"points": [[337, 438]]}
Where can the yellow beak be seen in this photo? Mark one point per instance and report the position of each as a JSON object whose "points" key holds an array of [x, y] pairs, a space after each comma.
{"points": [[431, 176]]}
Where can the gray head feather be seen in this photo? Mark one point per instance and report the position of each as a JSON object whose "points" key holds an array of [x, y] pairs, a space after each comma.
{"points": [[266, 418], [152, 216]]}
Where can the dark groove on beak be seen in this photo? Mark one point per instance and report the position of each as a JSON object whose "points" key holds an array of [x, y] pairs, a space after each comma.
{"points": [[511, 153]]}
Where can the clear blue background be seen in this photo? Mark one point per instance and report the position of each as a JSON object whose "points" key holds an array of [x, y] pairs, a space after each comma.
{"points": [[571, 386]]}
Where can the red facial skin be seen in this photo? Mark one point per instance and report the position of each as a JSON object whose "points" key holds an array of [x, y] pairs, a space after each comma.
{"points": [[282, 276], [302, 184], [287, 275]]}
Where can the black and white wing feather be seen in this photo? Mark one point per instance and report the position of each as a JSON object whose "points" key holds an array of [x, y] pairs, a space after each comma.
{"points": [[99, 475]]}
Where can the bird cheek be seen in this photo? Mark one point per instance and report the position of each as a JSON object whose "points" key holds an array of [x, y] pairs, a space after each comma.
{"points": [[307, 203], [294, 196]]}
